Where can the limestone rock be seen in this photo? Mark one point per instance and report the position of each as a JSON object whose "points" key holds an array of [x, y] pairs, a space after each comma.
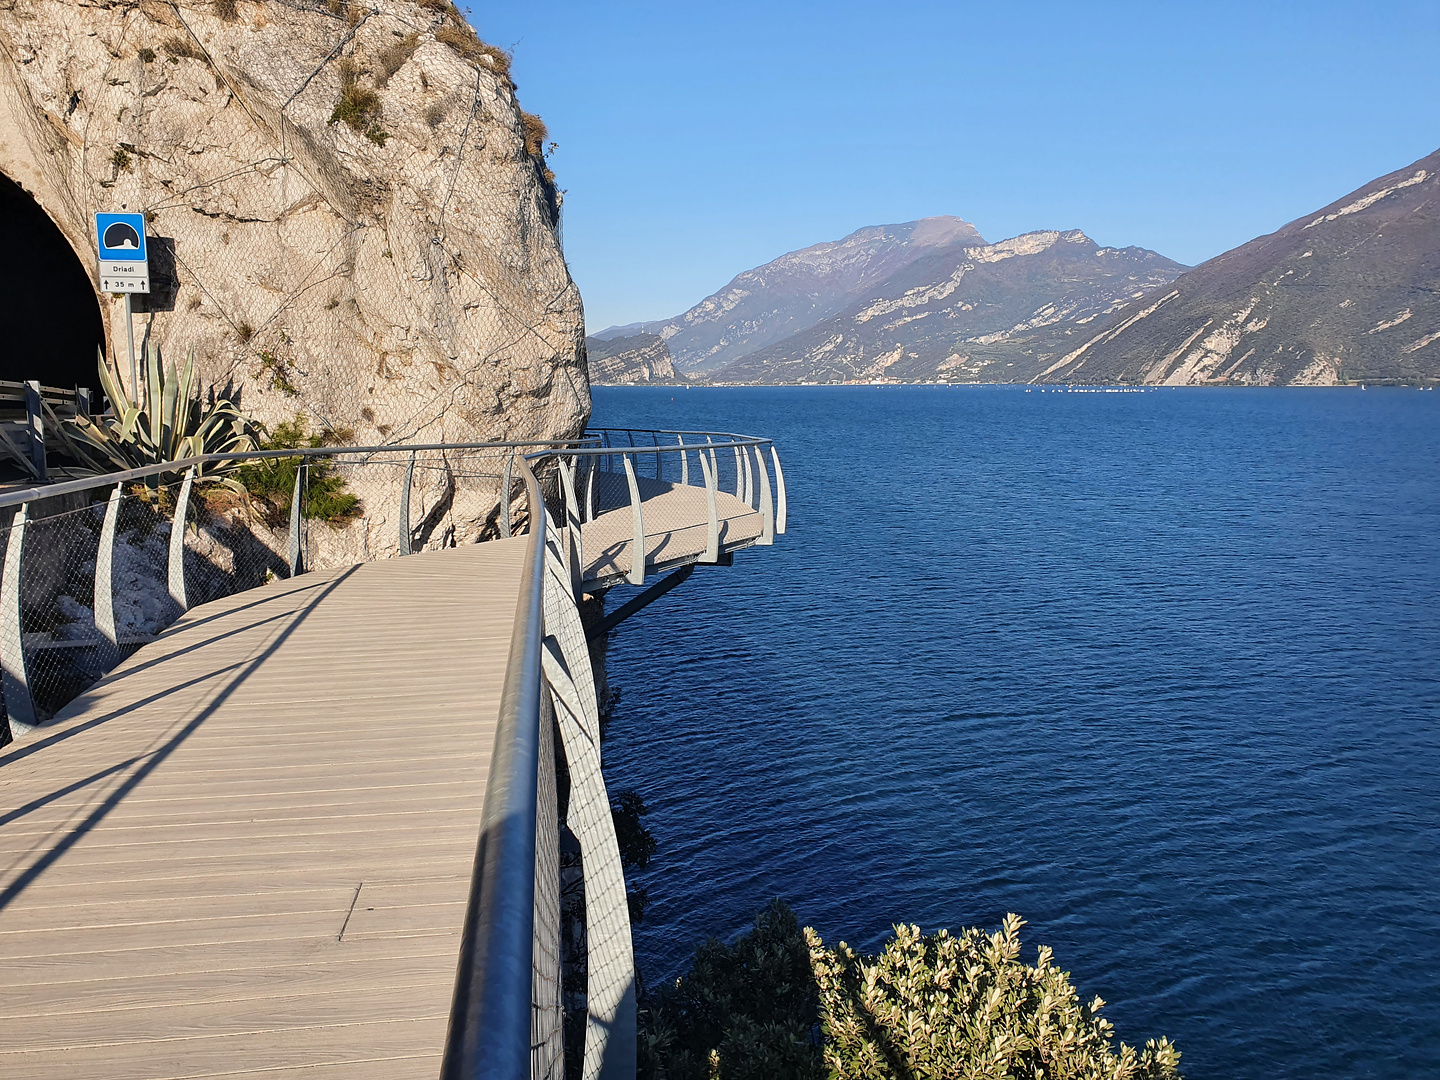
{"points": [[640, 358], [788, 295], [360, 223]]}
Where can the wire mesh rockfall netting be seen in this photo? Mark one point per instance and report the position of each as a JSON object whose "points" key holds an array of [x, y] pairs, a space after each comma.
{"points": [[349, 219]]}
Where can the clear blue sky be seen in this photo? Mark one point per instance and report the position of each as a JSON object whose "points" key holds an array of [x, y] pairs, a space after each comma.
{"points": [[697, 140]]}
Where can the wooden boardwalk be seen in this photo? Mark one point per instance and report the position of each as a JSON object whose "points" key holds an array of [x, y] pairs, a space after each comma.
{"points": [[249, 848]]}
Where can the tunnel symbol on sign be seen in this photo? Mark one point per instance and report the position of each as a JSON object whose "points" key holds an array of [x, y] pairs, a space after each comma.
{"points": [[121, 237]]}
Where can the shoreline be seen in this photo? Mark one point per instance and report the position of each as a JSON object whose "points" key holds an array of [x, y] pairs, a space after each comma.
{"points": [[1051, 388]]}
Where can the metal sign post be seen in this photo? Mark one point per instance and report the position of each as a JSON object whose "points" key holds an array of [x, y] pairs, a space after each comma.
{"points": [[124, 269]]}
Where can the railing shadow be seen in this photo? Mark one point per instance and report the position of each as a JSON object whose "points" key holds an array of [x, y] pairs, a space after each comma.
{"points": [[150, 761]]}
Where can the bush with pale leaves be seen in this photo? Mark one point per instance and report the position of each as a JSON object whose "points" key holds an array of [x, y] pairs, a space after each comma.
{"points": [[780, 1004], [965, 1006]]}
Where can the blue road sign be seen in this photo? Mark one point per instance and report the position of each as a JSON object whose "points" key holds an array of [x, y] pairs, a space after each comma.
{"points": [[121, 237], [123, 265]]}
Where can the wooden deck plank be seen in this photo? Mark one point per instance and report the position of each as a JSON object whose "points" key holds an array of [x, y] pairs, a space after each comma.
{"points": [[181, 848], [126, 993], [174, 963], [408, 1041]]}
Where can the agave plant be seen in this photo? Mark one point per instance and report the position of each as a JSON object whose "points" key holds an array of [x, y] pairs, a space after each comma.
{"points": [[172, 424]]}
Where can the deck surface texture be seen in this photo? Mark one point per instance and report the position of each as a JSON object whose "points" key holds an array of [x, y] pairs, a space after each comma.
{"points": [[676, 519], [249, 848]]}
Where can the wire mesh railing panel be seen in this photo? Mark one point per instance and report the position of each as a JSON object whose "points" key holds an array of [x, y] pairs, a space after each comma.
{"points": [[547, 1057], [91, 575], [90, 580]]}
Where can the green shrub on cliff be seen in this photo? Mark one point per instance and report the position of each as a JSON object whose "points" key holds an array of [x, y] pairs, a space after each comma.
{"points": [[943, 1005], [271, 481], [744, 1012], [782, 1005]]}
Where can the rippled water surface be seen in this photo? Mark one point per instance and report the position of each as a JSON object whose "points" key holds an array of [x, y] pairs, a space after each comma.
{"points": [[1159, 671]]}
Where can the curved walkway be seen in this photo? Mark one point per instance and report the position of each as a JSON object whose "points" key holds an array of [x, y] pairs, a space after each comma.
{"points": [[676, 527]]}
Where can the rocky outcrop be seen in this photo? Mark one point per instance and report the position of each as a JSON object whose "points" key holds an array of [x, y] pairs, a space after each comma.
{"points": [[640, 358], [1348, 293], [350, 216], [967, 313], [794, 292]]}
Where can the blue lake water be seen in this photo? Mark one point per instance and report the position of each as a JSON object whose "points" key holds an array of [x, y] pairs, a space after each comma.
{"points": [[1159, 671]]}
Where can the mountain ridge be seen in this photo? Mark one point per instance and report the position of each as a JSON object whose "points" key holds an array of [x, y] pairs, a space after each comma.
{"points": [[792, 292], [978, 312], [1346, 293]]}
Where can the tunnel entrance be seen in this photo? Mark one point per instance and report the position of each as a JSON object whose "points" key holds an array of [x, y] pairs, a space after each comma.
{"points": [[49, 314]]}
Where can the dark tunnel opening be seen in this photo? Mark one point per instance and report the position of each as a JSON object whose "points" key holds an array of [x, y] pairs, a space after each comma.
{"points": [[49, 316]]}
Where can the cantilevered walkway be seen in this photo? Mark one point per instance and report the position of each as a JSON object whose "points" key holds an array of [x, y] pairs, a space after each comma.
{"points": [[252, 846]]}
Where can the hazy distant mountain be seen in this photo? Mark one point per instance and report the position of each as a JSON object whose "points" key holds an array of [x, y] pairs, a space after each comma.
{"points": [[796, 291], [968, 312], [1350, 293], [639, 358]]}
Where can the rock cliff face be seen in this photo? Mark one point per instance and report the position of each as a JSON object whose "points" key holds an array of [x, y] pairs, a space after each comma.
{"points": [[794, 292], [640, 358], [1349, 293], [966, 312], [350, 217]]}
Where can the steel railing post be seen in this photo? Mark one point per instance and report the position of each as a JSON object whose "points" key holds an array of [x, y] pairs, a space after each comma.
{"points": [[177, 541], [767, 507], [297, 556], [739, 473], [14, 679], [712, 534], [35, 428], [505, 495], [574, 542], [105, 570], [637, 549], [684, 461], [590, 465], [779, 492], [405, 506], [749, 497]]}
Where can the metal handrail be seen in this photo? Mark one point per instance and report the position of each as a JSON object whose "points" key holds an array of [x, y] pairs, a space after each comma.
{"points": [[179, 465], [637, 451], [734, 440], [489, 1031]]}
